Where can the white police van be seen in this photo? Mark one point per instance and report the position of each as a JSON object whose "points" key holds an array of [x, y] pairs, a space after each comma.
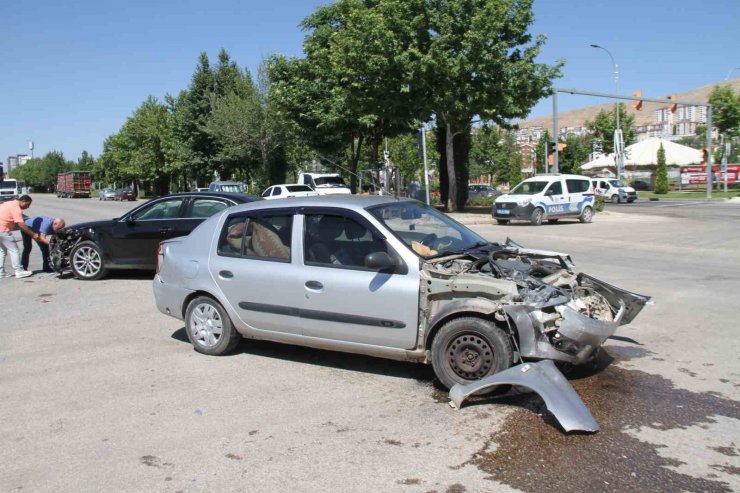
{"points": [[614, 190], [547, 197]]}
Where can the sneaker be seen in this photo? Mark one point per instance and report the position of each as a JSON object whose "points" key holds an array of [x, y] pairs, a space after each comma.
{"points": [[23, 273]]}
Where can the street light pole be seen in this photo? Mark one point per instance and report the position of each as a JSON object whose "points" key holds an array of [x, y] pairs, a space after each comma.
{"points": [[618, 131]]}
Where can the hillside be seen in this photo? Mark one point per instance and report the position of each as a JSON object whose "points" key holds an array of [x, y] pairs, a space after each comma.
{"points": [[578, 117]]}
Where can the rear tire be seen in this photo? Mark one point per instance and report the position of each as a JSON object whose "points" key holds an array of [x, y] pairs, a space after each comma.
{"points": [[587, 215], [209, 327], [467, 349], [537, 216]]}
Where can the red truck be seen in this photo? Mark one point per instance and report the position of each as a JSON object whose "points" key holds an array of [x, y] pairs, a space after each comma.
{"points": [[74, 184]]}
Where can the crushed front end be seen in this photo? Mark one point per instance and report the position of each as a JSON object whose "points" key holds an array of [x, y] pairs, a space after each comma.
{"points": [[552, 311], [61, 245]]}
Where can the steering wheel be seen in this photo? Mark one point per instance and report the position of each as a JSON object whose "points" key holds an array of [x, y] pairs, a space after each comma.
{"points": [[429, 240]]}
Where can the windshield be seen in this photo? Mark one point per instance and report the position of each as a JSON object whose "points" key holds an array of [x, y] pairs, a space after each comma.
{"points": [[529, 188], [617, 183], [329, 181], [8, 183], [425, 230]]}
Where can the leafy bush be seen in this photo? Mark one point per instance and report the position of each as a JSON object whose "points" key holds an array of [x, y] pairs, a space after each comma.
{"points": [[599, 203]]}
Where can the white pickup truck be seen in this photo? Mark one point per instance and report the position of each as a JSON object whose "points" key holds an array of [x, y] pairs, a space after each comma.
{"points": [[324, 183]]}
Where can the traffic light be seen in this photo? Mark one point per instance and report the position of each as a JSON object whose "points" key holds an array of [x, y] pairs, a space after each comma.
{"points": [[550, 147], [637, 104], [561, 146], [672, 107]]}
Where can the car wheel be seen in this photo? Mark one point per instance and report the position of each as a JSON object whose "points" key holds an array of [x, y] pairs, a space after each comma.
{"points": [[502, 222], [209, 327], [537, 216], [587, 215], [552, 221], [615, 198], [86, 261], [467, 349]]}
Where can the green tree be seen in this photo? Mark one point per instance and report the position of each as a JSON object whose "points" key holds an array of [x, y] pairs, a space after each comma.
{"points": [[661, 173], [574, 154], [602, 127], [541, 152], [726, 111], [480, 61], [485, 154]]}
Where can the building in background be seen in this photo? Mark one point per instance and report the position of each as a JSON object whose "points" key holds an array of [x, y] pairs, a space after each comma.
{"points": [[15, 161]]}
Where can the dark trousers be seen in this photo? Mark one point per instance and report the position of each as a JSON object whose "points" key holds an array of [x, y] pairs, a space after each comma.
{"points": [[27, 245]]}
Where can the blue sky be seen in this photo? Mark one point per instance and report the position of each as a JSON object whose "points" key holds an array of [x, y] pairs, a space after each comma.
{"points": [[73, 71]]}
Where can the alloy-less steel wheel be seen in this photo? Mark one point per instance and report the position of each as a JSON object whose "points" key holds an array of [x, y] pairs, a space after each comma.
{"points": [[587, 215], [537, 216], [209, 327], [468, 348], [615, 198], [86, 261]]}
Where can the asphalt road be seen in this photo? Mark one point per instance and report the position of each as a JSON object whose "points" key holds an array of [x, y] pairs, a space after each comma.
{"points": [[100, 392], [680, 208]]}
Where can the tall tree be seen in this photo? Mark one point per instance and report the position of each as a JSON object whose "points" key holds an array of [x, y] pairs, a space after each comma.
{"points": [[480, 61], [661, 173], [574, 154]]}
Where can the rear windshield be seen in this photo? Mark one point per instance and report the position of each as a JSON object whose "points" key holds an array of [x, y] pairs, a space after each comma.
{"points": [[529, 187], [229, 188], [299, 188], [334, 181]]}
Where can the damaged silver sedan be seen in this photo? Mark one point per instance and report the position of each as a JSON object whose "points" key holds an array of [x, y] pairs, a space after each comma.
{"points": [[386, 277]]}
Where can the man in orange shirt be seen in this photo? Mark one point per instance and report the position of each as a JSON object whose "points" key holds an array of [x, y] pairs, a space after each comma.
{"points": [[10, 218]]}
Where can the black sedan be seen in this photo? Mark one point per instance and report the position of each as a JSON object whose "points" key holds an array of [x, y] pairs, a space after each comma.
{"points": [[130, 242]]}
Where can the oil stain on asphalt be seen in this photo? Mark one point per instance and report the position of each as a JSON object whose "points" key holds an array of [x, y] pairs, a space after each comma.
{"points": [[536, 456]]}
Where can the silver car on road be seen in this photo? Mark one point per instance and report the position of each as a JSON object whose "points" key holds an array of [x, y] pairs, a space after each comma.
{"points": [[386, 277]]}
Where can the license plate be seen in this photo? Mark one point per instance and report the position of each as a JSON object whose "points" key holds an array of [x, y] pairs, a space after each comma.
{"points": [[502, 211]]}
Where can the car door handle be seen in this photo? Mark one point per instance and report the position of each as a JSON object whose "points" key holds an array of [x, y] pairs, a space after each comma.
{"points": [[164, 231], [314, 285], [226, 274]]}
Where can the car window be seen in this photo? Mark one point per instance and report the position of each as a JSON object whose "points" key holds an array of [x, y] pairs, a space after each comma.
{"points": [[206, 207], [269, 237], [231, 240], [299, 188], [276, 191], [602, 184], [556, 188], [577, 186], [338, 241], [164, 209], [267, 192]]}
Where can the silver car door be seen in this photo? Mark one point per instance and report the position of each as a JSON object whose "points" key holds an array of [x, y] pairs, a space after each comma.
{"points": [[345, 301], [255, 272]]}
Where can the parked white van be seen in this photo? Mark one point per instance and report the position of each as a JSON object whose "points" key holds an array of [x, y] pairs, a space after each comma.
{"points": [[614, 190], [547, 197]]}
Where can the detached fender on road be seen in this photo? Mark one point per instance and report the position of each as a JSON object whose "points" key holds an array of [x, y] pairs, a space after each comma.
{"points": [[545, 379]]}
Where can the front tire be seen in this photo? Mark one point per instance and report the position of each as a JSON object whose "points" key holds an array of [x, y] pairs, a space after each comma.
{"points": [[587, 215], [537, 216], [209, 327], [467, 349], [615, 198], [86, 261]]}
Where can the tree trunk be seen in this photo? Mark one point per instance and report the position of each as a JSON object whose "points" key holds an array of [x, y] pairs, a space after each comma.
{"points": [[452, 182]]}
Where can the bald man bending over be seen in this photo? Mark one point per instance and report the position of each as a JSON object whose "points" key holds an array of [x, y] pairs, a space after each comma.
{"points": [[44, 227]]}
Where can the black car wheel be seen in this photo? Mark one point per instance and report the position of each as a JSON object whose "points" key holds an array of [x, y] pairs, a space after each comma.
{"points": [[468, 349], [537, 216], [86, 261], [209, 327]]}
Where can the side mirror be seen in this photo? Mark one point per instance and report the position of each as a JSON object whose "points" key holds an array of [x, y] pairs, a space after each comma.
{"points": [[130, 220], [379, 261]]}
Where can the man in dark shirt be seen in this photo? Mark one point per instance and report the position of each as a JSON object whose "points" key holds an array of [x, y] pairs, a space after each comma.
{"points": [[44, 226]]}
